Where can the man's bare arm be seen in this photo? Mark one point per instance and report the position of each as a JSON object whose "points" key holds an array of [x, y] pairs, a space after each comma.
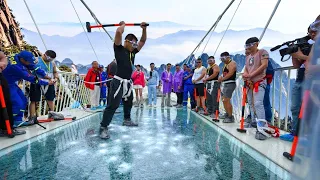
{"points": [[143, 38], [119, 32]]}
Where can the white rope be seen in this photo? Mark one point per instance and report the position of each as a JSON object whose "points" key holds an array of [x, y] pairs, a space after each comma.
{"points": [[272, 14], [34, 22], [84, 30], [227, 28]]}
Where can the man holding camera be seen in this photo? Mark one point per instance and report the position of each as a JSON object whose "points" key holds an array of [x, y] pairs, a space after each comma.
{"points": [[299, 59]]}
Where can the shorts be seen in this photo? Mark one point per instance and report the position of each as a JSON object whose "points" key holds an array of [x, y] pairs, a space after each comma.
{"points": [[199, 89], [228, 89], [35, 93], [137, 87]]}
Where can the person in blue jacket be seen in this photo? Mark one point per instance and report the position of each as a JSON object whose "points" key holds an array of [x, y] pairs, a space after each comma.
{"points": [[19, 67], [103, 91], [188, 87]]}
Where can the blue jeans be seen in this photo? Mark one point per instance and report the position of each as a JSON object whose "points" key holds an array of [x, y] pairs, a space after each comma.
{"points": [[267, 104], [152, 94], [296, 101]]}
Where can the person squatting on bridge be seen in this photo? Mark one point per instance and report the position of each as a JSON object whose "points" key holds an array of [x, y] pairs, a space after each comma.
{"points": [[212, 85], [139, 83], [103, 91], [299, 60], [197, 79], [121, 85], [6, 94], [18, 68], [93, 83], [177, 85], [255, 77], [188, 87], [167, 79], [46, 63], [153, 84], [228, 80]]}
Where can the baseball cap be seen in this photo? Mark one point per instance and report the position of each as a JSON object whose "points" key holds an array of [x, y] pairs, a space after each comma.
{"points": [[100, 66], [27, 56]]}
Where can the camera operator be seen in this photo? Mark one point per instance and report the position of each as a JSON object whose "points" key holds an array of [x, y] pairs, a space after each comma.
{"points": [[299, 60]]}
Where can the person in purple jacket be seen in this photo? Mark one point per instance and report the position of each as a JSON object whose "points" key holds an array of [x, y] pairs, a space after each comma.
{"points": [[177, 85], [167, 79]]}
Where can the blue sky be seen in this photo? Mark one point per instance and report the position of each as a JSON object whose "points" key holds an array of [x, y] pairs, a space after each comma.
{"points": [[252, 13]]}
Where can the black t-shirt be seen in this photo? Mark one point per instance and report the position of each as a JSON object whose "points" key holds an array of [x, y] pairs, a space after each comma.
{"points": [[112, 69], [125, 61]]}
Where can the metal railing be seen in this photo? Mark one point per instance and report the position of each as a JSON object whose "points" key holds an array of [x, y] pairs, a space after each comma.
{"points": [[70, 93], [280, 101]]}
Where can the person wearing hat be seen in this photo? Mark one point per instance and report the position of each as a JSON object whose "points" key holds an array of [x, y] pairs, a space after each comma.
{"points": [[46, 63], [188, 88], [301, 61], [254, 76], [138, 84], [18, 68], [103, 91]]}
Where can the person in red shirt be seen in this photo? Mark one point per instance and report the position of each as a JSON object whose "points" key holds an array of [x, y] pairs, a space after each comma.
{"points": [[138, 84], [93, 83]]}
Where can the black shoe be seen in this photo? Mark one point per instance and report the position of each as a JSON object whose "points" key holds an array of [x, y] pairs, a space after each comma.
{"points": [[104, 133], [17, 132], [128, 122]]}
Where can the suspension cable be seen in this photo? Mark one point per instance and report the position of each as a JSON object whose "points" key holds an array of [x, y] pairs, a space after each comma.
{"points": [[84, 30], [213, 26], [272, 14], [227, 28], [34, 22], [96, 19]]}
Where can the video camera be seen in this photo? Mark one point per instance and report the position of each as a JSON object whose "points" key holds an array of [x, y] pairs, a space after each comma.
{"points": [[293, 47]]}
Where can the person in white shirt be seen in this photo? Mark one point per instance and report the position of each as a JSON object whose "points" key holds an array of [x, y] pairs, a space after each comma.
{"points": [[197, 79]]}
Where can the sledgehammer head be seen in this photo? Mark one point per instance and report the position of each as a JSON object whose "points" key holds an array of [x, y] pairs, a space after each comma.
{"points": [[88, 26]]}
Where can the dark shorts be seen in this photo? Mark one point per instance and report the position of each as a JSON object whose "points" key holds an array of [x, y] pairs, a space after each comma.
{"points": [[35, 93], [228, 89], [199, 89]]}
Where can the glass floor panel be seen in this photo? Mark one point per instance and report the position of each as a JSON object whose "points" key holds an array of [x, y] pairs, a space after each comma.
{"points": [[168, 144]]}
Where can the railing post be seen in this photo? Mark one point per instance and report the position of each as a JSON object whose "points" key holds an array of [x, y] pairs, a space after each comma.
{"points": [[287, 102], [273, 101], [280, 96]]}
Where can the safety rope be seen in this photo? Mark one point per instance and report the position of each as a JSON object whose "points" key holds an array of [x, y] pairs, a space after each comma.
{"points": [[272, 14], [213, 26], [84, 30], [227, 28], [34, 22]]}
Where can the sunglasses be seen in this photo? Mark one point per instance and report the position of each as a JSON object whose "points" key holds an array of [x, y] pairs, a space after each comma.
{"points": [[249, 45], [199, 62], [134, 44], [49, 58], [224, 57], [315, 27]]}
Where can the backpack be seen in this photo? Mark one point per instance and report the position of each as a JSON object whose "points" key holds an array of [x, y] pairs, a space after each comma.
{"points": [[269, 72]]}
